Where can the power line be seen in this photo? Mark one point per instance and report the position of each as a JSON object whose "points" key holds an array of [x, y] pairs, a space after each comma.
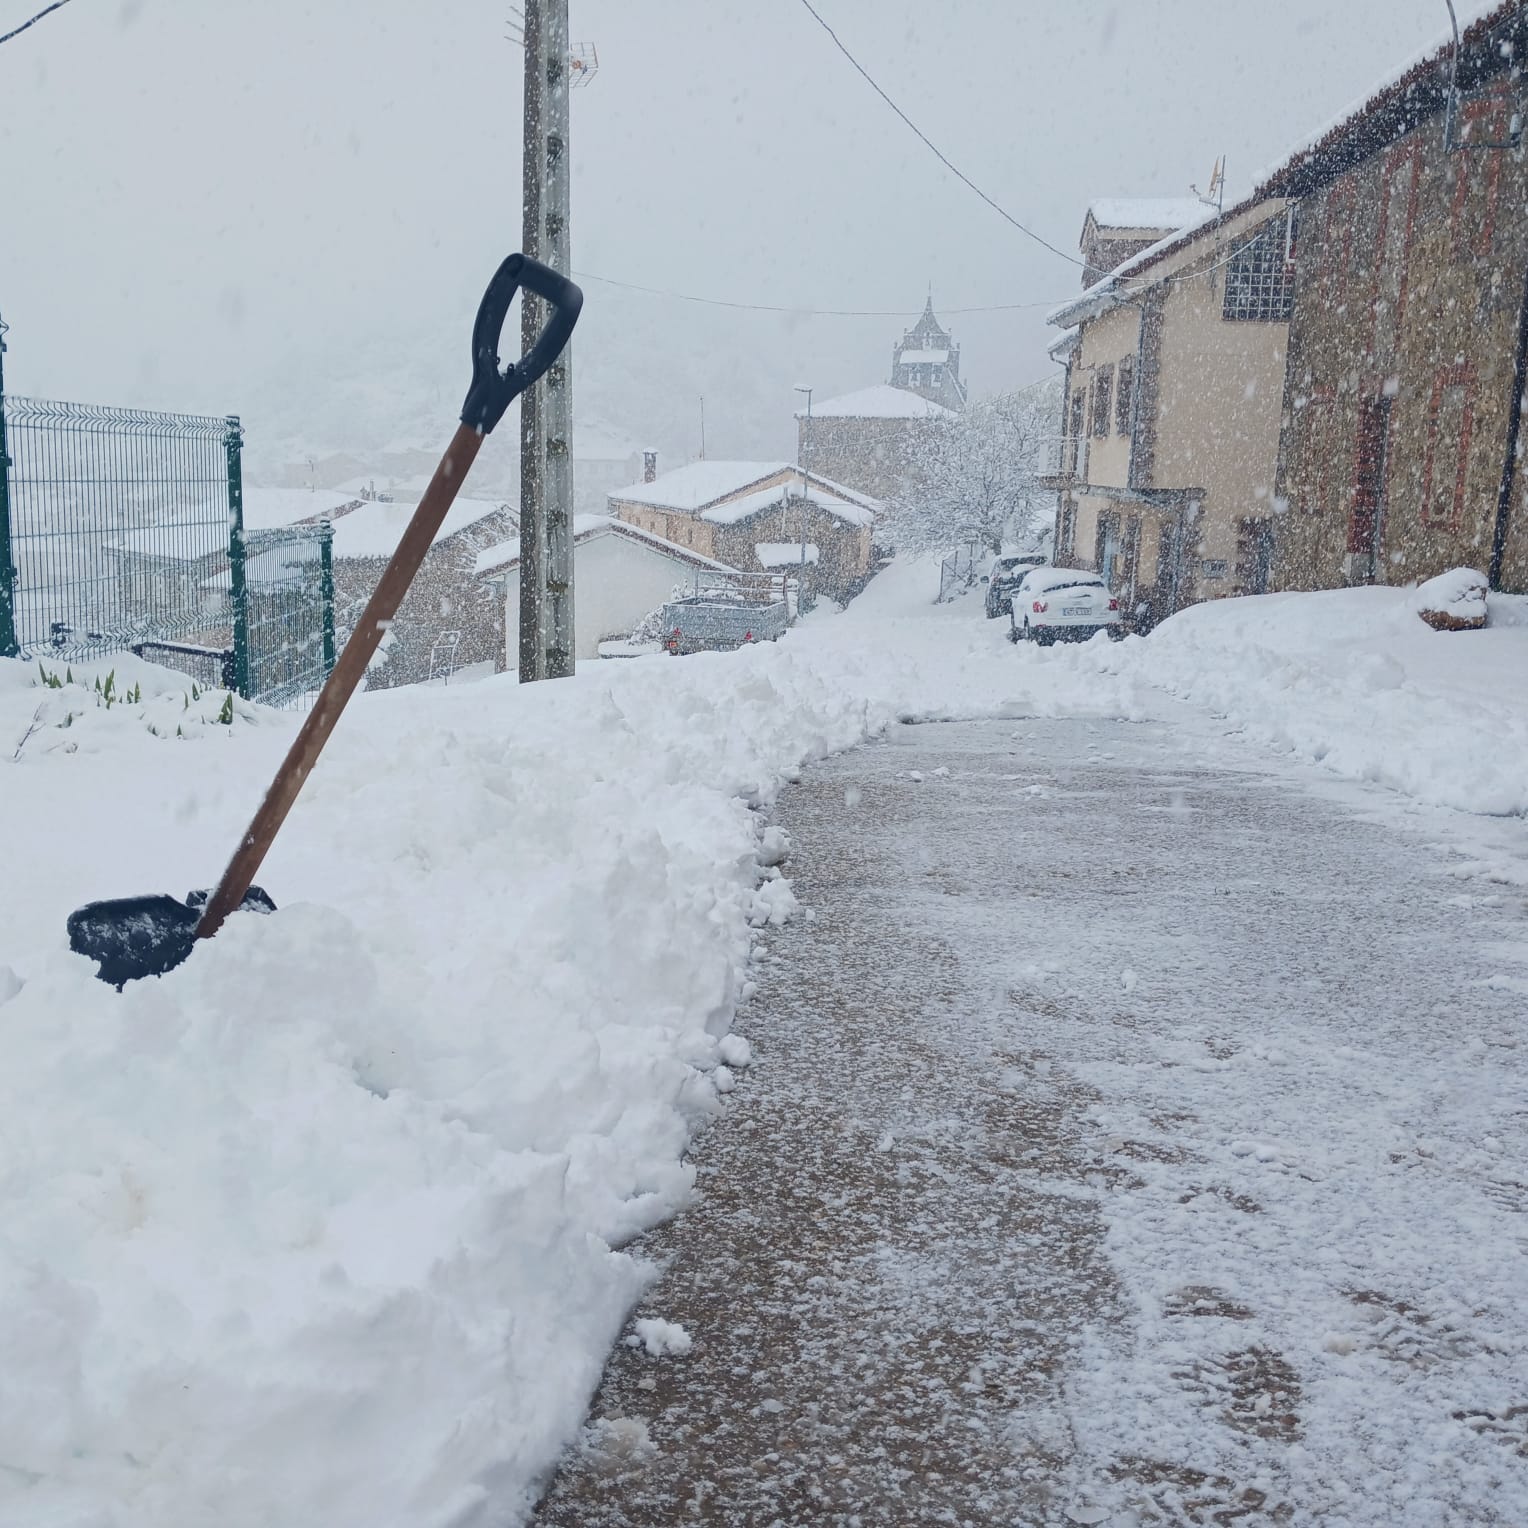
{"points": [[33, 22], [1028, 233], [765, 307]]}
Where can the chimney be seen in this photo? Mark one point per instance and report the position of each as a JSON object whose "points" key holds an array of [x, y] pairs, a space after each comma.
{"points": [[649, 466]]}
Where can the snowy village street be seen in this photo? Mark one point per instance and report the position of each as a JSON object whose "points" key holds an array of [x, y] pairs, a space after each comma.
{"points": [[1122, 1145]]}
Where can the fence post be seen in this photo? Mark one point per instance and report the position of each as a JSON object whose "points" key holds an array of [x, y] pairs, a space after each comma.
{"points": [[233, 443], [8, 644], [326, 591]]}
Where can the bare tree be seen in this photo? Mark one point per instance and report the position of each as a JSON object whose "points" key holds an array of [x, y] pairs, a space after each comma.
{"points": [[980, 478]]}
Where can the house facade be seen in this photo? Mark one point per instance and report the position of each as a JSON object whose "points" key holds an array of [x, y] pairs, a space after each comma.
{"points": [[1407, 351], [727, 511], [621, 574], [876, 440], [448, 620], [1168, 457]]}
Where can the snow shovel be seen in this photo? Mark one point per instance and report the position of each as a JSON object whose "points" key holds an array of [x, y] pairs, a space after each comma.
{"points": [[135, 937]]}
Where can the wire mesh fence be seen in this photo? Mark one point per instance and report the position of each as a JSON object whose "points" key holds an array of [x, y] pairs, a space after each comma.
{"points": [[122, 529], [957, 573]]}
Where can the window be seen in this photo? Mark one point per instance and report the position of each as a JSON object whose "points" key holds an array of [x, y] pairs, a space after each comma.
{"points": [[1260, 278], [1122, 399], [1450, 420], [1075, 430], [1066, 532], [1397, 213], [1485, 120], [1103, 388]]}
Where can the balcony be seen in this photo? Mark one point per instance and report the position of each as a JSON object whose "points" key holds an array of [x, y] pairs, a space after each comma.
{"points": [[1064, 464]]}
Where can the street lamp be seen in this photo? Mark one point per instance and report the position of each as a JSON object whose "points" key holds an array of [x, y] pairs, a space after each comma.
{"points": [[802, 441]]}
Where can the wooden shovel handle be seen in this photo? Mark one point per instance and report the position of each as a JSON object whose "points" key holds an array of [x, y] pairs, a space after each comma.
{"points": [[343, 680]]}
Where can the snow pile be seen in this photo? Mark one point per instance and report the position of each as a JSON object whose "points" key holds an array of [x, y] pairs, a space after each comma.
{"points": [[1351, 680], [1453, 601], [324, 1223], [661, 1338]]}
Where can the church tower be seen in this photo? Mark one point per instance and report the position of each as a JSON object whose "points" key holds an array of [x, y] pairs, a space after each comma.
{"points": [[926, 362]]}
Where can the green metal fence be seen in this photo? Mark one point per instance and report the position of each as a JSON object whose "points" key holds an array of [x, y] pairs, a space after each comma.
{"points": [[124, 529]]}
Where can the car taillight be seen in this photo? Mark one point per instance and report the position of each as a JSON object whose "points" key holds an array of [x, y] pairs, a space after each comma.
{"points": [[1041, 607], [1113, 604]]}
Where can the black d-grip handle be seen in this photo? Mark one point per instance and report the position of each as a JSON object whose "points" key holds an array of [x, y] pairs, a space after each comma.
{"points": [[492, 390]]}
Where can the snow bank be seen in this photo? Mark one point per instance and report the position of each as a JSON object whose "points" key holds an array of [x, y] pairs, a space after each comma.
{"points": [[322, 1226], [1352, 680]]}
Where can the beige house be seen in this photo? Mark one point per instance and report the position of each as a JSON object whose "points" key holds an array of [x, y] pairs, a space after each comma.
{"points": [[743, 513], [1168, 460]]}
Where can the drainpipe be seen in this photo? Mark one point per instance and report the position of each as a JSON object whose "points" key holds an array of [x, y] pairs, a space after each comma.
{"points": [[1509, 465]]}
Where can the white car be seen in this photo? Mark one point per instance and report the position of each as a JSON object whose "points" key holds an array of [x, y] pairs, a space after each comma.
{"points": [[1063, 605]]}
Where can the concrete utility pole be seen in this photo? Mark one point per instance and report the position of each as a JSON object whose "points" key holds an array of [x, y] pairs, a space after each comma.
{"points": [[806, 488], [546, 411]]}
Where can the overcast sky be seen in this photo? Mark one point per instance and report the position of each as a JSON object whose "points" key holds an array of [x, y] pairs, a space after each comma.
{"points": [[287, 208]]}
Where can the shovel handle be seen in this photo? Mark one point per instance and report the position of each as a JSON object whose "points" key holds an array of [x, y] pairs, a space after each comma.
{"points": [[493, 392]]}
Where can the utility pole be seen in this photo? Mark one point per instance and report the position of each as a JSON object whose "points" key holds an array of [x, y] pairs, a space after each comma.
{"points": [[546, 643], [532, 649], [806, 489], [557, 400]]}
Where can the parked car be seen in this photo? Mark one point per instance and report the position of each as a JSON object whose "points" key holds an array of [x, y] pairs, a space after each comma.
{"points": [[1002, 578], [1062, 605]]}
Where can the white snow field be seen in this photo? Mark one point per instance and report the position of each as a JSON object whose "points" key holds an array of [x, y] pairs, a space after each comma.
{"points": [[325, 1226]]}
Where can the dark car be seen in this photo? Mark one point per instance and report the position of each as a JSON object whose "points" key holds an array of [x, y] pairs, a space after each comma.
{"points": [[1003, 577]]}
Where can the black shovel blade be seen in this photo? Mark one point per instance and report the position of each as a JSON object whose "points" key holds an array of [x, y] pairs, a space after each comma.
{"points": [[134, 937]]}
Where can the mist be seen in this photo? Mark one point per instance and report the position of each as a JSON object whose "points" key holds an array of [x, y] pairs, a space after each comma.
{"points": [[288, 210]]}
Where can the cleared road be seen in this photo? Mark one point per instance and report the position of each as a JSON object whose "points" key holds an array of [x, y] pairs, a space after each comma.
{"points": [[1130, 1140]]}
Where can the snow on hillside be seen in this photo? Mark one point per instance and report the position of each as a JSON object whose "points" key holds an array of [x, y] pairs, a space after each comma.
{"points": [[327, 1224]]}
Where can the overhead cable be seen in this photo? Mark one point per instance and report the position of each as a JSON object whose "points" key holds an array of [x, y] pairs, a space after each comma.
{"points": [[960, 175]]}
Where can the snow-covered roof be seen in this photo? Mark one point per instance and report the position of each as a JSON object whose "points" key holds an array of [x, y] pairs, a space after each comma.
{"points": [[733, 511], [270, 508], [924, 357], [375, 528], [879, 402], [785, 554], [1166, 213], [700, 483], [498, 559]]}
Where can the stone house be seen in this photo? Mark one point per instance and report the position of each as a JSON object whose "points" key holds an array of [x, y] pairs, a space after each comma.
{"points": [[1168, 454], [729, 510], [875, 440], [1407, 352], [449, 619]]}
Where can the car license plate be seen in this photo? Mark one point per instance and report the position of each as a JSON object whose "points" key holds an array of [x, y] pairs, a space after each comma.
{"points": [[1077, 610]]}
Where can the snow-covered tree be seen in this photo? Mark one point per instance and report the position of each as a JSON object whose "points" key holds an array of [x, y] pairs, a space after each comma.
{"points": [[980, 477]]}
